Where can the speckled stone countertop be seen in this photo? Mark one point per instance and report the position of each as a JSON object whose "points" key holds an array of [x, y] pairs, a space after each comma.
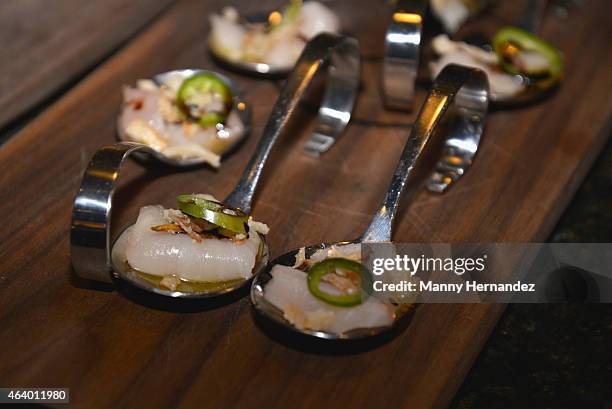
{"points": [[553, 355]]}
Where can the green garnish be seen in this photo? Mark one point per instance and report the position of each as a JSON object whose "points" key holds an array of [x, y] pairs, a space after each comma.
{"points": [[351, 272], [227, 218], [292, 11], [509, 42], [205, 98]]}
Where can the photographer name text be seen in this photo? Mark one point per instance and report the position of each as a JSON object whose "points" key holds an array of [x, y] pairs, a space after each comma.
{"points": [[466, 286]]}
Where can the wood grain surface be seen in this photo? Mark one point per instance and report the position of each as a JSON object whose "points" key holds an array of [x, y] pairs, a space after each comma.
{"points": [[125, 349], [45, 44]]}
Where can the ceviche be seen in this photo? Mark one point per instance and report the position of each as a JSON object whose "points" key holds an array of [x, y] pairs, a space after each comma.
{"points": [[328, 291], [191, 117], [201, 244], [278, 41]]}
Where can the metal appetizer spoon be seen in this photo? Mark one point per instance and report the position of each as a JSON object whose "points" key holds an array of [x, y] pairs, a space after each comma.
{"points": [[91, 215], [239, 105], [466, 88]]}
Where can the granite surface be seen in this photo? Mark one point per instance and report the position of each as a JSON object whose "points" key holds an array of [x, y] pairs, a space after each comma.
{"points": [[553, 355]]}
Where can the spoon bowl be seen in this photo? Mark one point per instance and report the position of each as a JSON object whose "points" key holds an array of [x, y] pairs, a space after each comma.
{"points": [[264, 307], [239, 105]]}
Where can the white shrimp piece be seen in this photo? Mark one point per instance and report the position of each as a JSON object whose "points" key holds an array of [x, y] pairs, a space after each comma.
{"points": [[451, 13], [531, 61], [315, 18], [258, 227], [288, 291], [283, 51], [350, 251], [300, 257], [192, 150], [149, 117], [139, 131], [227, 36], [163, 254], [441, 44], [141, 104], [172, 84], [502, 85], [146, 85], [280, 46]]}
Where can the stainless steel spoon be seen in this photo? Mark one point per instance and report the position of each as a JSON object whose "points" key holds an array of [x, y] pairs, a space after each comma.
{"points": [[239, 105], [91, 215], [468, 90]]}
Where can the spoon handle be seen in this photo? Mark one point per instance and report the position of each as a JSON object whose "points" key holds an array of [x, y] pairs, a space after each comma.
{"points": [[468, 89], [91, 211], [341, 55]]}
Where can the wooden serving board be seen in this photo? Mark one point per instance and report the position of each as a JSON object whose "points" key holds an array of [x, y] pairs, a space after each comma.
{"points": [[122, 349], [44, 45]]}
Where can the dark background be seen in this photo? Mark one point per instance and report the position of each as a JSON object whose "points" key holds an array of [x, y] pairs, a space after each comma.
{"points": [[553, 355]]}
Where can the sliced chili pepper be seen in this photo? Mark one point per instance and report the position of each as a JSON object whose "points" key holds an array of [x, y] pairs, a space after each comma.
{"points": [[508, 42], [214, 212], [200, 201], [318, 271], [201, 90]]}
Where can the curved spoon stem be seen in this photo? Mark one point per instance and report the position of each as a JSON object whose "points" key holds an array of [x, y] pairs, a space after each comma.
{"points": [[402, 51], [466, 87], [91, 212], [318, 53]]}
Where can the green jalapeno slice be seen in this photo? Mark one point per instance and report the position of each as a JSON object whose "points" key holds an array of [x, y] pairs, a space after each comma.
{"points": [[510, 42], [205, 98], [346, 271], [225, 217]]}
